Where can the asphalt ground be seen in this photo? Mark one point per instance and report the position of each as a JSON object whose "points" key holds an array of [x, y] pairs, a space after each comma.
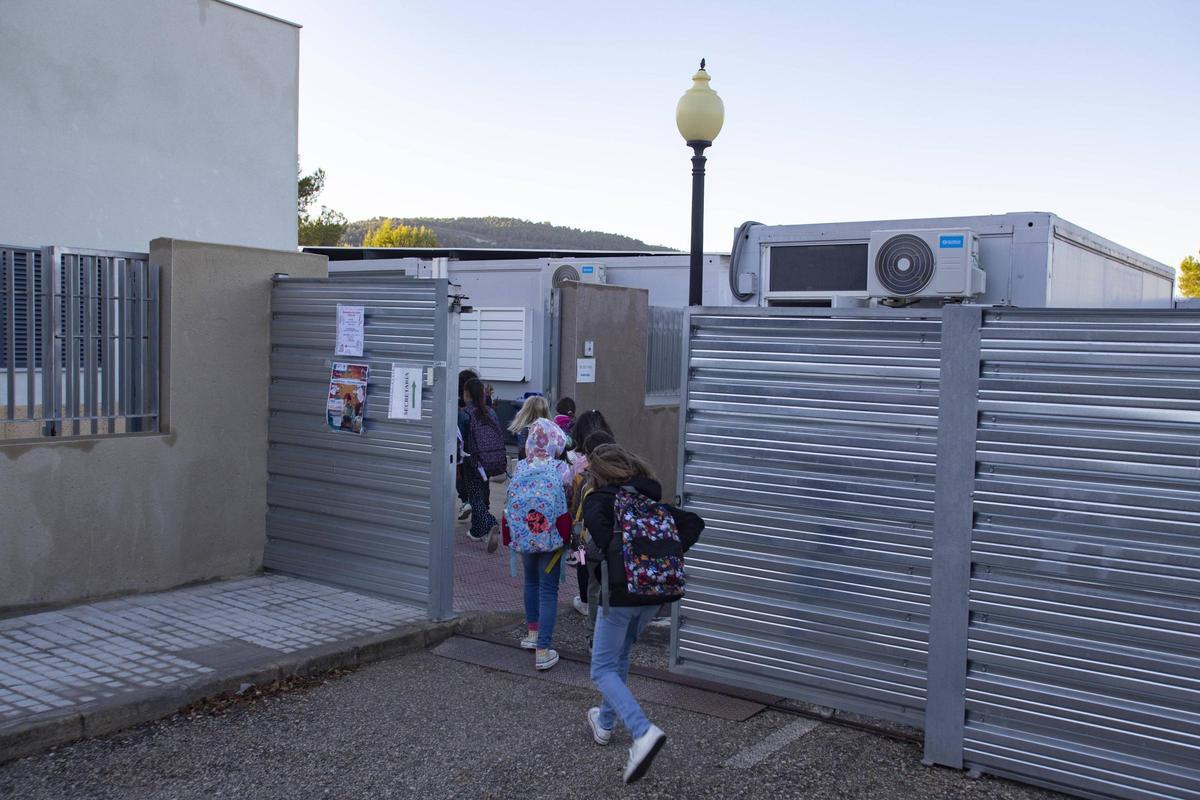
{"points": [[429, 727]]}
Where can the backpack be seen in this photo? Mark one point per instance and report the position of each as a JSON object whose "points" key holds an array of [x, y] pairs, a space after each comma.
{"points": [[486, 445], [650, 545], [532, 507]]}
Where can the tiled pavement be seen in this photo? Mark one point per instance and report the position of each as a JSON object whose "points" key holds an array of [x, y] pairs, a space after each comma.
{"points": [[56, 660]]}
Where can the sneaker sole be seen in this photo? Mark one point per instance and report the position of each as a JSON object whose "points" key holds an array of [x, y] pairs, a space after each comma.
{"points": [[546, 665], [528, 645], [641, 769]]}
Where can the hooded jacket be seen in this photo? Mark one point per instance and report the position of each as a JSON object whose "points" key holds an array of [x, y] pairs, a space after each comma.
{"points": [[600, 520]]}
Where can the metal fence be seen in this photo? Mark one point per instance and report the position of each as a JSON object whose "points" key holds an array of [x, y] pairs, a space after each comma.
{"points": [[664, 352], [369, 511], [79, 342], [986, 526]]}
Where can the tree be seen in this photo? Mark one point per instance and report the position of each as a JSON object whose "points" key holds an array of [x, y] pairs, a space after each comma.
{"points": [[326, 230], [1189, 277], [328, 227], [388, 235]]}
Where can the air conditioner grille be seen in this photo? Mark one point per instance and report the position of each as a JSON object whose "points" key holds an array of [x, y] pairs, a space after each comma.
{"points": [[565, 274], [904, 264]]}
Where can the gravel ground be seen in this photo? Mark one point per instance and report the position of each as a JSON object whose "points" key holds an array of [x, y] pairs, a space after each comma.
{"points": [[423, 726]]}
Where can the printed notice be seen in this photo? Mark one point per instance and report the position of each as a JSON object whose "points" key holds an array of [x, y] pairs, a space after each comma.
{"points": [[349, 330], [405, 402], [585, 370]]}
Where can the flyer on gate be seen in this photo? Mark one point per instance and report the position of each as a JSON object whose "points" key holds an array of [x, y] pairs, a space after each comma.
{"points": [[347, 403], [350, 321]]}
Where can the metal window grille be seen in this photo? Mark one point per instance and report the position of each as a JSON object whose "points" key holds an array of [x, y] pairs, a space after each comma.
{"points": [[664, 352], [79, 342]]}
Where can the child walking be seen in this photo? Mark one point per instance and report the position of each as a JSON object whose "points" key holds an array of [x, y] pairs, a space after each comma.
{"points": [[480, 432], [534, 408], [564, 411], [590, 431], [625, 518], [537, 527]]}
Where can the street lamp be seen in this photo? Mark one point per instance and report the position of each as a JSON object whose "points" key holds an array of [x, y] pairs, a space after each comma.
{"points": [[699, 117]]}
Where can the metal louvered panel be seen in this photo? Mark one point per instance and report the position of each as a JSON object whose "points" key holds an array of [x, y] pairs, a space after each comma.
{"points": [[1084, 637], [372, 511], [808, 444]]}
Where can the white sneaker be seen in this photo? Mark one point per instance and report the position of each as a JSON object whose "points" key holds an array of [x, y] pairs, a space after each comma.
{"points": [[529, 641], [642, 754], [580, 606], [600, 734], [464, 510], [545, 659]]}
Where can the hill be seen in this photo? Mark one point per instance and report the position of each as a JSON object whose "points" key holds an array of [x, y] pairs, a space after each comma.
{"points": [[504, 232]]}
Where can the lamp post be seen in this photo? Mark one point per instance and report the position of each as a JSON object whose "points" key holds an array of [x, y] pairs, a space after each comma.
{"points": [[699, 117]]}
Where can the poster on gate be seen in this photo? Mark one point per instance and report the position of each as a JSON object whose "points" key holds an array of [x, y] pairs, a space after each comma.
{"points": [[346, 406]]}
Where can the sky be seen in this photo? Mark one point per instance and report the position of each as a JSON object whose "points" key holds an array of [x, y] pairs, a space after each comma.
{"points": [[834, 111]]}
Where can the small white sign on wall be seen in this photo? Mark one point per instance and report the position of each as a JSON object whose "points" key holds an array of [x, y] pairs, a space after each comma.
{"points": [[405, 401], [585, 370]]}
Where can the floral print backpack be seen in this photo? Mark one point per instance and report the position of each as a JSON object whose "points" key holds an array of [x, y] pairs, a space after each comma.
{"points": [[650, 545], [532, 507]]}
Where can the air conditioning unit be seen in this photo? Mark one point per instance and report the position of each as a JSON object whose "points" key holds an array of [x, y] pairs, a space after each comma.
{"points": [[577, 273], [924, 263]]}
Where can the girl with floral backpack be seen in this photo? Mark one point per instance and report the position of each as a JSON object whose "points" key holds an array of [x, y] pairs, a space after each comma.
{"points": [[537, 527], [641, 541]]}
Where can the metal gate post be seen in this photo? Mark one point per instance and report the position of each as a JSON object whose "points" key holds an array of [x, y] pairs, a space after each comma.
{"points": [[945, 710], [444, 423]]}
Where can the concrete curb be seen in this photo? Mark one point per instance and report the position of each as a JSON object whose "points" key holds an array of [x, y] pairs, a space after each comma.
{"points": [[22, 738]]}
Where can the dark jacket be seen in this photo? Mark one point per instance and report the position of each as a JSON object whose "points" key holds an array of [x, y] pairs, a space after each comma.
{"points": [[599, 519]]}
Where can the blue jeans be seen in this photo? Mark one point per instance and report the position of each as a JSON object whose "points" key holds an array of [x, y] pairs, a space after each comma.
{"points": [[541, 593], [617, 628]]}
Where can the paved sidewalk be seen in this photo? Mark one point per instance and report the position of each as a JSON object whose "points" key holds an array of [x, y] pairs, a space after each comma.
{"points": [[93, 668]]}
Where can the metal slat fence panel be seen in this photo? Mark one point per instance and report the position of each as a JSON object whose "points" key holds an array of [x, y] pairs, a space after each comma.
{"points": [[808, 445], [1084, 637], [372, 511], [664, 351]]}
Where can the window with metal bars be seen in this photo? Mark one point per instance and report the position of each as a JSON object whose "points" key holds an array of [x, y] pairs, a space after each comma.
{"points": [[97, 314]]}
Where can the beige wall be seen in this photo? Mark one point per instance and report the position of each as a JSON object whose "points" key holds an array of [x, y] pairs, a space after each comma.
{"points": [[616, 319], [91, 517]]}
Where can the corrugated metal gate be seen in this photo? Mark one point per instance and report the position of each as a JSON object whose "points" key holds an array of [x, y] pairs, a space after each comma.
{"points": [[1084, 638], [373, 511], [809, 447], [1048, 593]]}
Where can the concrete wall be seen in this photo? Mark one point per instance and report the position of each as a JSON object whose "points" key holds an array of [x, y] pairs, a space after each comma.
{"points": [[616, 319], [125, 120], [104, 515]]}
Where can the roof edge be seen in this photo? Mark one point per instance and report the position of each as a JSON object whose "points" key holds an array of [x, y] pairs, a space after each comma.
{"points": [[258, 13]]}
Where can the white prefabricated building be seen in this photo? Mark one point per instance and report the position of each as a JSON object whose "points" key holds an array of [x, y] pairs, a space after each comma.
{"points": [[1025, 259]]}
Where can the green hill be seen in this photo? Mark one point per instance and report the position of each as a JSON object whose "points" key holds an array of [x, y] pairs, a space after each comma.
{"points": [[505, 232]]}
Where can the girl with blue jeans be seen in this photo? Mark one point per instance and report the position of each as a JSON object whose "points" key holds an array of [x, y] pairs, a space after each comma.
{"points": [[538, 527], [623, 618]]}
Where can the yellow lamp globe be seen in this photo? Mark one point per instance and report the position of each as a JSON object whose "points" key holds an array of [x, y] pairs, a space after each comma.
{"points": [[700, 113]]}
